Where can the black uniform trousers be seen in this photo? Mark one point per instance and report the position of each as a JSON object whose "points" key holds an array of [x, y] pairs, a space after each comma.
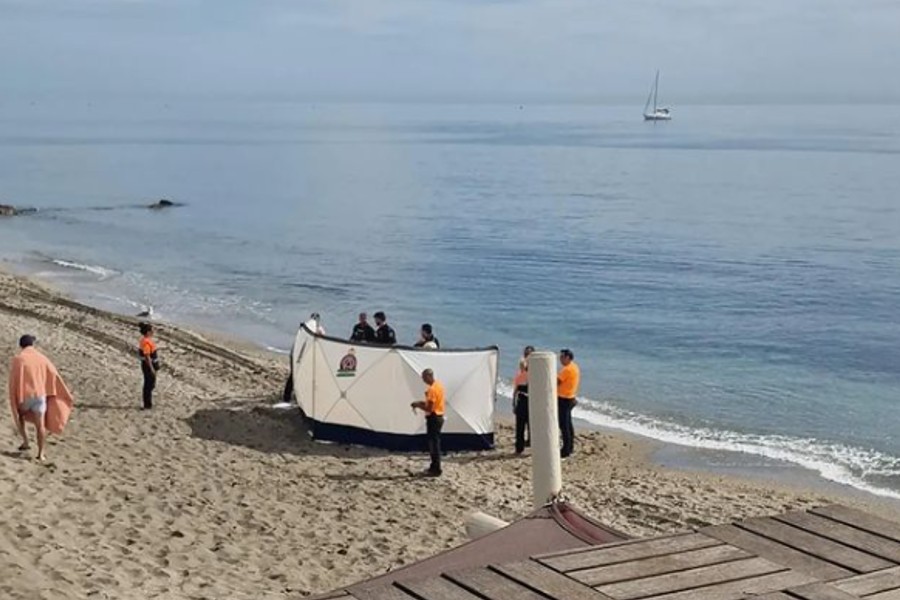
{"points": [[149, 384], [433, 426], [521, 412]]}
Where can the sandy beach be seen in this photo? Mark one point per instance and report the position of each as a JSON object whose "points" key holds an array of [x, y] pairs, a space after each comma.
{"points": [[215, 494]]}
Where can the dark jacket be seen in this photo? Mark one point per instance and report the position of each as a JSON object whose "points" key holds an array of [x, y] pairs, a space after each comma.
{"points": [[385, 335], [362, 332]]}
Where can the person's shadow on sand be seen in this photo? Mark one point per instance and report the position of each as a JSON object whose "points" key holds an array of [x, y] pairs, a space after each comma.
{"points": [[266, 429], [17, 454]]}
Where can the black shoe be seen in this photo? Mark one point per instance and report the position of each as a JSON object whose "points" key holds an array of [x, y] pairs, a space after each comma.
{"points": [[433, 473]]}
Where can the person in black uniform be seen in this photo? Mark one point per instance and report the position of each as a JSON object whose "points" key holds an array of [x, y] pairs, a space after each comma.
{"points": [[362, 331], [384, 333]]}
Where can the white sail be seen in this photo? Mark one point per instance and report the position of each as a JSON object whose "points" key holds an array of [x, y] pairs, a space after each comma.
{"points": [[657, 114]]}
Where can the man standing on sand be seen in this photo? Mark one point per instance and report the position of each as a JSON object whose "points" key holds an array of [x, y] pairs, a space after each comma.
{"points": [[149, 363], [567, 390], [520, 402], [433, 405], [362, 331], [37, 394], [384, 333]]}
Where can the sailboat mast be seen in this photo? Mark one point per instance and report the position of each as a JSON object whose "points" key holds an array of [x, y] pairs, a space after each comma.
{"points": [[655, 88]]}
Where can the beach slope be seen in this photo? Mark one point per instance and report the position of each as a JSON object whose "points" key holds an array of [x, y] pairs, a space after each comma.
{"points": [[214, 494]]}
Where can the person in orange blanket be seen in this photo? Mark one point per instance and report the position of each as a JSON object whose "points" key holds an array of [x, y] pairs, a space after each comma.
{"points": [[37, 394]]}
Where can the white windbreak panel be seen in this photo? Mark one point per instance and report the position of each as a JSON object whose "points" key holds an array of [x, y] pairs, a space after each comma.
{"points": [[371, 387]]}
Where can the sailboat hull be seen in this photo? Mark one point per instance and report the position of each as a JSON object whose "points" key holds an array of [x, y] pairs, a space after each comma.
{"points": [[658, 117]]}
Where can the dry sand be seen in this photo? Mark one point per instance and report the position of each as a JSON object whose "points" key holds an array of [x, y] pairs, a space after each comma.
{"points": [[214, 494]]}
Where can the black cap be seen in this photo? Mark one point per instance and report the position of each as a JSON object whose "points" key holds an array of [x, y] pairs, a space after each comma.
{"points": [[26, 341]]}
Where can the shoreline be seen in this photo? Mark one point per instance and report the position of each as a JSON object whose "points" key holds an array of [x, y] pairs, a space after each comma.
{"points": [[665, 454], [690, 457], [215, 493]]}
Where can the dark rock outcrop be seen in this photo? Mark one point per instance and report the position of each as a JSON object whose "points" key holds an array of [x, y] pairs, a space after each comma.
{"points": [[8, 210], [163, 203]]}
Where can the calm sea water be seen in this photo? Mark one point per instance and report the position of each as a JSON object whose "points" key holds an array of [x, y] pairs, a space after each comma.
{"points": [[728, 280]]}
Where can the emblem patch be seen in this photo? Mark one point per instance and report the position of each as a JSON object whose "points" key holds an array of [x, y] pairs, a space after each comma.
{"points": [[347, 368]]}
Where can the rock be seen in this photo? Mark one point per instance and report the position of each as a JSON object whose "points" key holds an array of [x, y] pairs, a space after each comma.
{"points": [[8, 210], [162, 203]]}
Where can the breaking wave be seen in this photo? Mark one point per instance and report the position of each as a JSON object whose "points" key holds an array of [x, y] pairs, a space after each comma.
{"points": [[101, 272], [859, 468]]}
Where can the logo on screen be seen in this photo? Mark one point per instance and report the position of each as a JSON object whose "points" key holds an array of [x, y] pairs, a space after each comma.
{"points": [[347, 368]]}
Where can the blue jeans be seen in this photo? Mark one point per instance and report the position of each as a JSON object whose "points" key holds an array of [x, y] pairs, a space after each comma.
{"points": [[566, 429]]}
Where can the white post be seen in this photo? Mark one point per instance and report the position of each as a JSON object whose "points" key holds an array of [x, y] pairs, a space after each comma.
{"points": [[542, 409]]}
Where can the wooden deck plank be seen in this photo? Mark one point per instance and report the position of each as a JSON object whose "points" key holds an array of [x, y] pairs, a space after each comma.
{"points": [[492, 585], [846, 534], [734, 590], [860, 520], [777, 553], [691, 578], [820, 591], [549, 582], [771, 596], [889, 595], [437, 588], [385, 592], [871, 583], [633, 550], [659, 565], [815, 545]]}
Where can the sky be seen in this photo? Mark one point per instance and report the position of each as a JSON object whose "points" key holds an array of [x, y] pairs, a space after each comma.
{"points": [[507, 50]]}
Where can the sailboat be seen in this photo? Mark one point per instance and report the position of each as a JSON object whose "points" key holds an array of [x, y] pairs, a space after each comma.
{"points": [[659, 113]]}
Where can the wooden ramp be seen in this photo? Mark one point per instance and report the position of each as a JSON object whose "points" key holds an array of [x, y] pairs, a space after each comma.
{"points": [[828, 553]]}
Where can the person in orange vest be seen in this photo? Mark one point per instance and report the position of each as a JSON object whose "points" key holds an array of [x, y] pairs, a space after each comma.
{"points": [[149, 363], [433, 406], [520, 402], [567, 381]]}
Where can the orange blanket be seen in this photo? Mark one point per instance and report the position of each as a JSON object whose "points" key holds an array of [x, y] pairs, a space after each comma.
{"points": [[32, 374]]}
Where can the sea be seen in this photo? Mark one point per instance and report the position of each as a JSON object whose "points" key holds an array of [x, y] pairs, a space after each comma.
{"points": [[728, 281]]}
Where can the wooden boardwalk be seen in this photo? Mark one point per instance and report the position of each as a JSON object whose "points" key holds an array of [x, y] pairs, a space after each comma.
{"points": [[828, 553]]}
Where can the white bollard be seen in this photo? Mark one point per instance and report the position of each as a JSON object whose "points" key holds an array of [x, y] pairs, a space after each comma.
{"points": [[542, 411], [479, 524]]}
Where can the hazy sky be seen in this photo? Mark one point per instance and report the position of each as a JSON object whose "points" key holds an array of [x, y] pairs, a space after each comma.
{"points": [[453, 49]]}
